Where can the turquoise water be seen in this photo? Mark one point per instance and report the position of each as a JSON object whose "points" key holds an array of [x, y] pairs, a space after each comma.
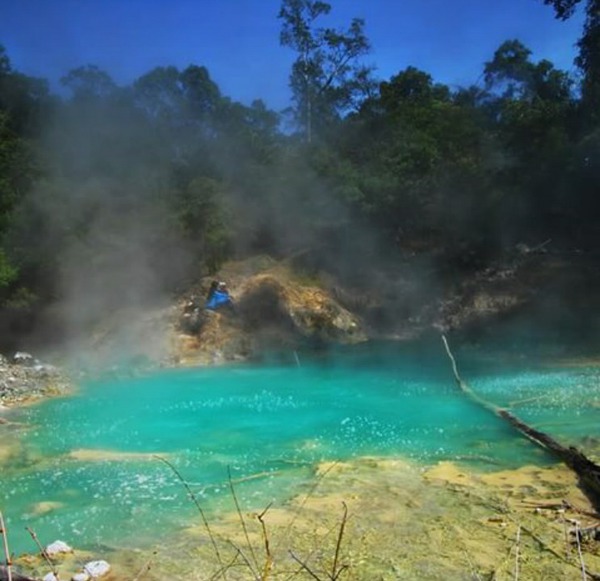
{"points": [[273, 422]]}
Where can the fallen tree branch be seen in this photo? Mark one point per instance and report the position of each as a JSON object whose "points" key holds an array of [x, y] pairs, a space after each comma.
{"points": [[587, 471], [562, 505]]}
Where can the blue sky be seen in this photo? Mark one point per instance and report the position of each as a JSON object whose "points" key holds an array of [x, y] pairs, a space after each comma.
{"points": [[238, 40]]}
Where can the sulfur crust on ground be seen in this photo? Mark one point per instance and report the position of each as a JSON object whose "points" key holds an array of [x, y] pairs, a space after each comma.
{"points": [[404, 521], [296, 310], [92, 455]]}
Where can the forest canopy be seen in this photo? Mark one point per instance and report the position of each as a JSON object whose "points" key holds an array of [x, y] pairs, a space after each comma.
{"points": [[137, 188]]}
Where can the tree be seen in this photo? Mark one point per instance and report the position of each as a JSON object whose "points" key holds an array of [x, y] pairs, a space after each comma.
{"points": [[89, 82], [202, 94], [534, 121], [5, 67], [23, 98], [512, 75], [202, 217], [588, 59], [412, 161], [326, 76]]}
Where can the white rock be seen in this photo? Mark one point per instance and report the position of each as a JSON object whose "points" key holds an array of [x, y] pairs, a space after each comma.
{"points": [[97, 568], [50, 577], [80, 577], [22, 358], [58, 547]]}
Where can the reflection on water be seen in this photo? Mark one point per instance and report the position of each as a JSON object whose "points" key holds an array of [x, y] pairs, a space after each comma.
{"points": [[86, 470]]}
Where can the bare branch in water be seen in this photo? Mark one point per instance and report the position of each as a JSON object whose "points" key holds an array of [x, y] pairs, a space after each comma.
{"points": [[587, 471]]}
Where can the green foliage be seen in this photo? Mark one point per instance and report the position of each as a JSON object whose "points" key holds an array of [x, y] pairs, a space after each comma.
{"points": [[204, 220], [8, 273], [165, 179], [564, 8], [178, 100], [513, 76], [414, 149], [22, 299], [15, 168], [88, 83], [588, 59], [327, 77]]}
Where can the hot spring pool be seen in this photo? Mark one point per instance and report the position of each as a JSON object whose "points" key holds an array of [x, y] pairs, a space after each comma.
{"points": [[85, 468]]}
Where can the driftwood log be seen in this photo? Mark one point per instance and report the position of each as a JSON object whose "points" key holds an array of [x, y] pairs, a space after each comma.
{"points": [[587, 471]]}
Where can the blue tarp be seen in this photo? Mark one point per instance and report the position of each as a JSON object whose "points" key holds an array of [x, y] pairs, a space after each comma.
{"points": [[218, 299]]}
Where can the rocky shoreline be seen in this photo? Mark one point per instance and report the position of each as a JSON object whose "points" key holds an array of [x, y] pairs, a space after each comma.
{"points": [[24, 379]]}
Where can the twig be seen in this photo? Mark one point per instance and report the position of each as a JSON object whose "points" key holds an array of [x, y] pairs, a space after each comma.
{"points": [[459, 538], [527, 400], [305, 500], [146, 567], [471, 564], [566, 535], [269, 556], [305, 567], [6, 551], [240, 553], [540, 246], [314, 550], [581, 562], [334, 570], [228, 566], [459, 381], [242, 521], [517, 549], [43, 552], [463, 386], [195, 500]]}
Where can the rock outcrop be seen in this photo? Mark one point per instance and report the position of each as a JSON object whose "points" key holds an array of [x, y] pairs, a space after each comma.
{"points": [[274, 310], [282, 306], [23, 378]]}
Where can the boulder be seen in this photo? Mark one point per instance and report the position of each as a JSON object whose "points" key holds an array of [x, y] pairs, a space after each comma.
{"points": [[272, 311], [58, 548], [95, 569], [23, 358]]}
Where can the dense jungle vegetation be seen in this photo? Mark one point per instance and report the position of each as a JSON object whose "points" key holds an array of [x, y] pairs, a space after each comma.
{"points": [[169, 176]]}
